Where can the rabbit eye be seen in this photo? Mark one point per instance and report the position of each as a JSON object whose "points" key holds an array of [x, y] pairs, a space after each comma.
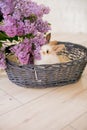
{"points": [[47, 51]]}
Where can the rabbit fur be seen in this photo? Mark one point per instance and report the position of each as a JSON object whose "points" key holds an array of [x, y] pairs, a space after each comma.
{"points": [[49, 52]]}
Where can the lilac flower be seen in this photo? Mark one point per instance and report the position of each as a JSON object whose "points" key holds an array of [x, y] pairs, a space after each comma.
{"points": [[7, 6], [14, 19], [11, 31], [37, 52], [9, 26], [45, 10], [22, 51], [29, 27], [29, 7], [23, 58], [38, 41], [20, 28], [17, 15], [42, 26], [24, 19]]}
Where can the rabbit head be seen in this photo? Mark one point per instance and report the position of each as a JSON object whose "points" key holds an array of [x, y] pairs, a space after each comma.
{"points": [[52, 47], [49, 49], [49, 52]]}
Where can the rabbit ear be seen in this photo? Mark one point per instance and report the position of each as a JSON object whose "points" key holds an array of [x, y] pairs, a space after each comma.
{"points": [[48, 37], [58, 48]]}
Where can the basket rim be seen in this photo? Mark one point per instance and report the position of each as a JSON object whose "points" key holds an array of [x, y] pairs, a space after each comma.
{"points": [[49, 65]]}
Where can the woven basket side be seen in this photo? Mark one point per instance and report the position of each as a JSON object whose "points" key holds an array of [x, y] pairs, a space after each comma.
{"points": [[50, 75]]}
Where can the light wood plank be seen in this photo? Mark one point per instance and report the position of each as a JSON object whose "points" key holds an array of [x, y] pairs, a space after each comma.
{"points": [[5, 84], [81, 123], [22, 94], [50, 112], [2, 93], [68, 128], [25, 95], [80, 99], [7, 103]]}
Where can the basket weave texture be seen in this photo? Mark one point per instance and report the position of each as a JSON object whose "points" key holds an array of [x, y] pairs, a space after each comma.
{"points": [[41, 76]]}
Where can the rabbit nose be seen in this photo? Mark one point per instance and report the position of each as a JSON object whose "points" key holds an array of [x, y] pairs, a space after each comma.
{"points": [[44, 52]]}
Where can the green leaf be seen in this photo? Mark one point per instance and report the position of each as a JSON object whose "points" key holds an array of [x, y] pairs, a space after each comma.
{"points": [[4, 37], [13, 38], [29, 35], [1, 16], [49, 23], [0, 44], [32, 18]]}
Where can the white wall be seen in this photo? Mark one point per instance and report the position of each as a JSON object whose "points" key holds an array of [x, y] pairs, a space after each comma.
{"points": [[67, 15]]}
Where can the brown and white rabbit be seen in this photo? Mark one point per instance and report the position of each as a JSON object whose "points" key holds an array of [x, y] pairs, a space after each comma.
{"points": [[49, 52]]}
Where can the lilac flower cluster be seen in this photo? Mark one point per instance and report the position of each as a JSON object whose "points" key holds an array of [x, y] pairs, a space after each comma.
{"points": [[21, 50], [24, 19]]}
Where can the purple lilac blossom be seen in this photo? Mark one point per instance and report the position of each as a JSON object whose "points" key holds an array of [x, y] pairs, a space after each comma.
{"points": [[20, 28], [29, 7], [42, 26], [24, 18], [9, 26], [22, 51], [38, 41], [29, 27], [7, 6], [23, 9]]}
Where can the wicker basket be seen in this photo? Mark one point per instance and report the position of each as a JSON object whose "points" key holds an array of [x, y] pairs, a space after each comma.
{"points": [[41, 76]]}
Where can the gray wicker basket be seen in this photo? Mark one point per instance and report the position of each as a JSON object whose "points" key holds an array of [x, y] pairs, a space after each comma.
{"points": [[41, 76]]}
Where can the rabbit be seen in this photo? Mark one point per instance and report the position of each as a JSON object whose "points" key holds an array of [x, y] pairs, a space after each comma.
{"points": [[48, 55], [49, 52]]}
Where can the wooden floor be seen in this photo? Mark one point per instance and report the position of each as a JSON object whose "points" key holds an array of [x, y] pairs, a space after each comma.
{"points": [[57, 108]]}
